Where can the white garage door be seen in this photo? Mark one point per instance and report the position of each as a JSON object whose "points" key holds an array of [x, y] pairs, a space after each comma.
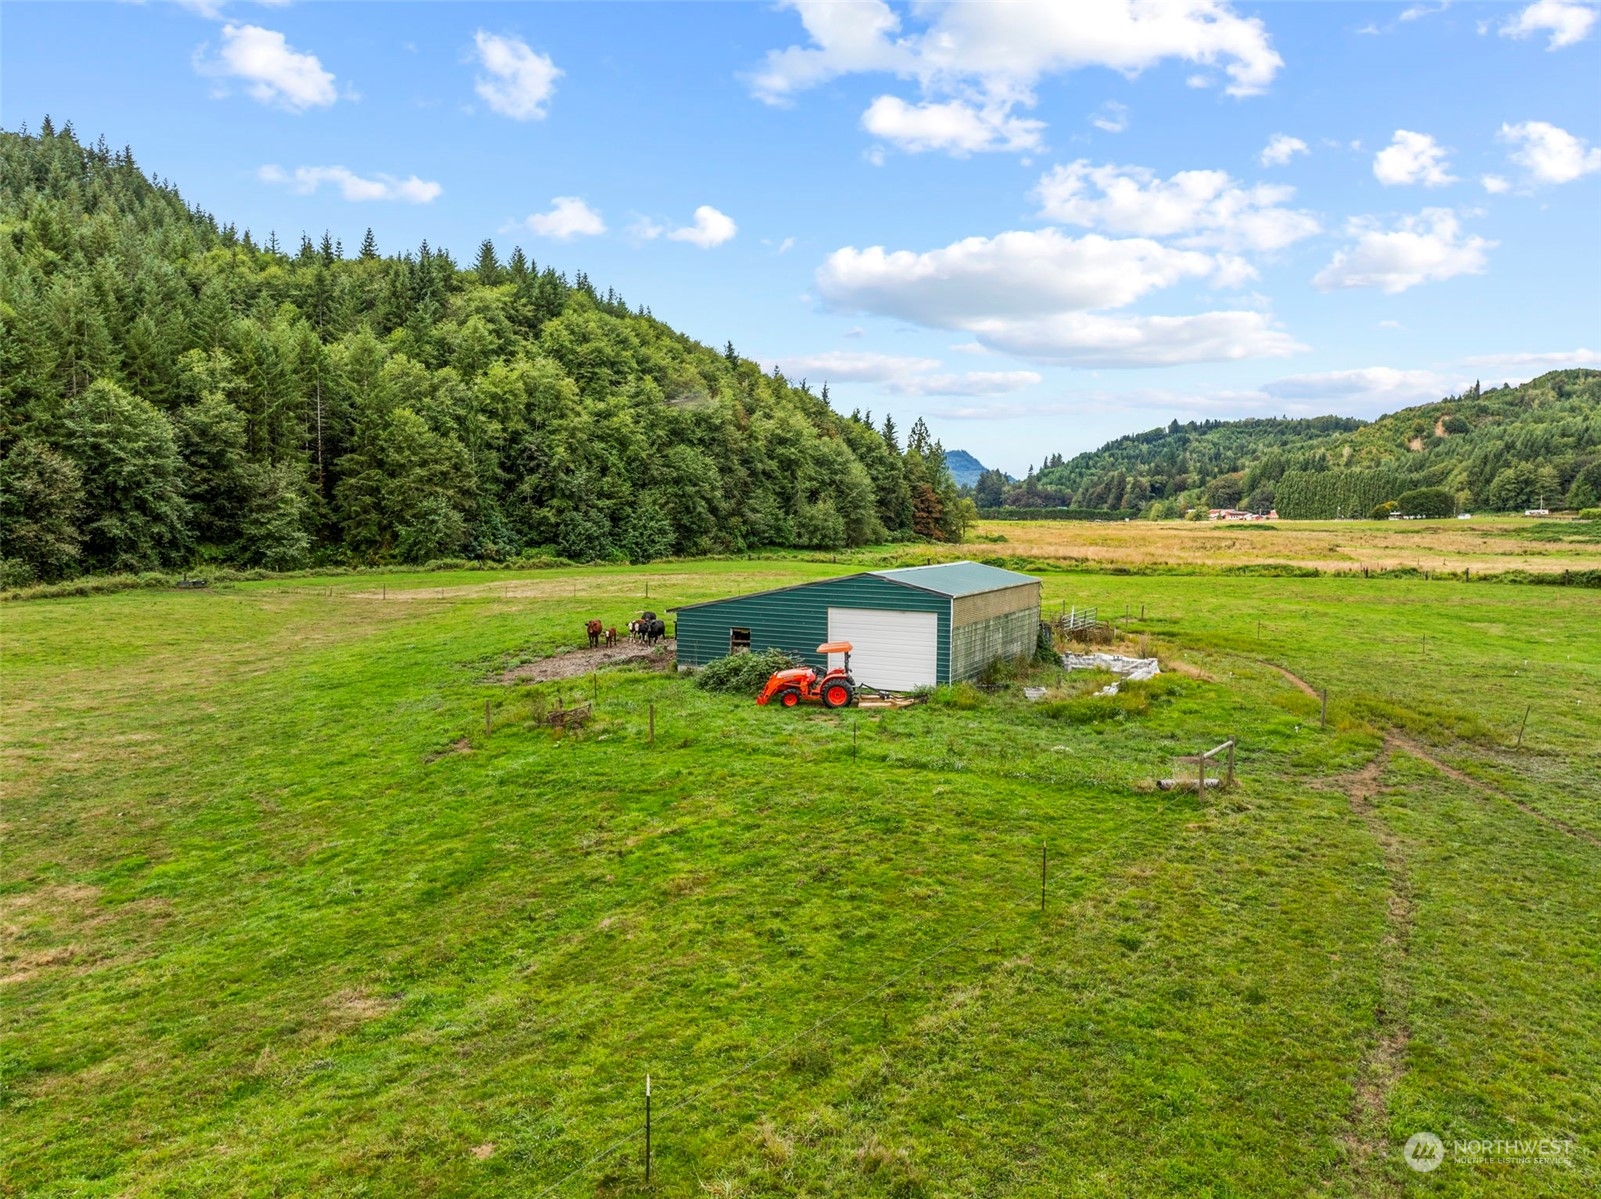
{"points": [[894, 651]]}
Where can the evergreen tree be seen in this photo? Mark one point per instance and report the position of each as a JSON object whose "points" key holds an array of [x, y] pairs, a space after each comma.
{"points": [[41, 498], [488, 266], [133, 512]]}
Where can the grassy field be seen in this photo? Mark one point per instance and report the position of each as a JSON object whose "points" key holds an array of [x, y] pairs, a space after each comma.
{"points": [[1482, 545], [282, 917]]}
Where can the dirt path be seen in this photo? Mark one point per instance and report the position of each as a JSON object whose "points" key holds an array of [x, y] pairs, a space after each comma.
{"points": [[1423, 755], [1368, 1141], [575, 663], [1295, 679], [1395, 740], [1384, 1062]]}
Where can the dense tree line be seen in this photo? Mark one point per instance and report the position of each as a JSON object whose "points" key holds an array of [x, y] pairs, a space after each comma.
{"points": [[1502, 450], [1333, 494], [174, 391]]}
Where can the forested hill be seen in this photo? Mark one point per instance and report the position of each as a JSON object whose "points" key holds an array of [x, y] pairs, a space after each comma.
{"points": [[176, 391], [1501, 450]]}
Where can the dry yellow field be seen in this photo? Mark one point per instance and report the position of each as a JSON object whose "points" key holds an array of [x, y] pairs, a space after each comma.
{"points": [[1490, 544]]}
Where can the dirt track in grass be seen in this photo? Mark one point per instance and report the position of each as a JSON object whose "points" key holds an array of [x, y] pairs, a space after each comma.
{"points": [[579, 662]]}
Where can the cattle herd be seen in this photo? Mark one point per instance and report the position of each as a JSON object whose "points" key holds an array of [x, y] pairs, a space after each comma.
{"points": [[649, 629]]}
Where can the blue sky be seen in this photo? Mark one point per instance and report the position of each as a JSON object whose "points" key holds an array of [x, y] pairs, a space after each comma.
{"points": [[1038, 226]]}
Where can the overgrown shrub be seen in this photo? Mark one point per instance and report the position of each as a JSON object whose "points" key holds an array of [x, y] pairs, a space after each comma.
{"points": [[1434, 502], [1132, 699], [742, 674], [1001, 671], [1045, 646], [963, 696]]}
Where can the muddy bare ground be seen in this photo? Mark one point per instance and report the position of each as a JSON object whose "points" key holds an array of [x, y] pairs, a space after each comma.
{"points": [[578, 662]]}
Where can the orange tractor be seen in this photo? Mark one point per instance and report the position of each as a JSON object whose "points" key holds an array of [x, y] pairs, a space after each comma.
{"points": [[802, 685]]}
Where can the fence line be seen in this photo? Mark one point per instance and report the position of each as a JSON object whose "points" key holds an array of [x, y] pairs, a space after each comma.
{"points": [[822, 1022]]}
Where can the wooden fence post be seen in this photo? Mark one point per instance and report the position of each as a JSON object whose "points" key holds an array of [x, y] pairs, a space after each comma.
{"points": [[1230, 781], [1523, 726]]}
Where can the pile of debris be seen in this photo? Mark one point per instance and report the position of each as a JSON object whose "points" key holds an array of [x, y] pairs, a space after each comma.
{"points": [[1134, 670]]}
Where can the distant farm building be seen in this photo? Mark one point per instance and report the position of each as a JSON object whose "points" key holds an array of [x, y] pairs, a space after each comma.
{"points": [[913, 627], [1237, 514]]}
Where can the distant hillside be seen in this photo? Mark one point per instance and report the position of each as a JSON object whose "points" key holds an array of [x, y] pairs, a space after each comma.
{"points": [[1496, 451], [175, 392], [964, 468]]}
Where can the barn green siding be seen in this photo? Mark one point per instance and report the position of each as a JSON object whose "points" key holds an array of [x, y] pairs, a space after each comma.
{"points": [[795, 619], [974, 646]]}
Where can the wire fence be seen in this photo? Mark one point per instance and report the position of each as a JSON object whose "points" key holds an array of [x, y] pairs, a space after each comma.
{"points": [[636, 1132]]}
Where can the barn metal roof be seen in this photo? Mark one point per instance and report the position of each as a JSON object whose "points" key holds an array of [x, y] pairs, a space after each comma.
{"points": [[953, 579], [956, 579]]}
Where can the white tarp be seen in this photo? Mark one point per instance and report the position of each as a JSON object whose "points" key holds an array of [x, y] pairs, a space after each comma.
{"points": [[1135, 670]]}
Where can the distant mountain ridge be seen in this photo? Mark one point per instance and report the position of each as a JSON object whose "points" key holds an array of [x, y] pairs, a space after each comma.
{"points": [[1502, 450], [964, 468]]}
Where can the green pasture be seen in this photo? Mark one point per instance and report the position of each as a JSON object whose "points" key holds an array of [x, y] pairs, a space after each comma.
{"points": [[283, 918]]}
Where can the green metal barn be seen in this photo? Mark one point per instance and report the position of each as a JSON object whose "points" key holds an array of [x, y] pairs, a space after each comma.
{"points": [[911, 627]]}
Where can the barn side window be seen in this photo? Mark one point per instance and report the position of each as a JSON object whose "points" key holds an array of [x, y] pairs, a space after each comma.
{"points": [[738, 641]]}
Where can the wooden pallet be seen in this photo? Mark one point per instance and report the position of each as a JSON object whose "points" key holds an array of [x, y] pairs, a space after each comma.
{"points": [[566, 718]]}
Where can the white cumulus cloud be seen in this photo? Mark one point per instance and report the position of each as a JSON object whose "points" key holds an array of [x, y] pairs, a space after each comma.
{"points": [[1567, 21], [305, 180], [1363, 385], [1090, 339], [1019, 272], [272, 70], [1550, 154], [711, 228], [1425, 248], [967, 383], [517, 81], [1112, 117], [1280, 149], [989, 57], [905, 375], [1208, 208], [956, 127], [1412, 158], [569, 217], [1495, 184], [856, 366], [1532, 364], [1033, 293]]}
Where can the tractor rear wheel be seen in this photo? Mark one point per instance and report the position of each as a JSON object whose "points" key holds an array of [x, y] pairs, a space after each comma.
{"points": [[838, 695], [788, 697]]}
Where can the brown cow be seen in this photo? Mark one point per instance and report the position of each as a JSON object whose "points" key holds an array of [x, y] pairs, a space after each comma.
{"points": [[611, 636], [594, 629]]}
